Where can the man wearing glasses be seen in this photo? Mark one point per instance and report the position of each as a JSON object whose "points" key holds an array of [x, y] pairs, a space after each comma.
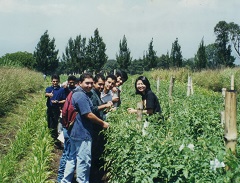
{"points": [[55, 99]]}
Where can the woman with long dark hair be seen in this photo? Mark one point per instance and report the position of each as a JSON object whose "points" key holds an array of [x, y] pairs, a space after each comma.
{"points": [[150, 101]]}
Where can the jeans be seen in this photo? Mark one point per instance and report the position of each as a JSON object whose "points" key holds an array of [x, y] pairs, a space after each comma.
{"points": [[80, 156], [65, 155]]}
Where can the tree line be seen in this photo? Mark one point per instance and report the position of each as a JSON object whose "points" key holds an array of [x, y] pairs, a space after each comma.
{"points": [[90, 55]]}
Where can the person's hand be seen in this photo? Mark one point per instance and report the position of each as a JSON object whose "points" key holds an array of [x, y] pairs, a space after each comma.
{"points": [[50, 94], [105, 125], [131, 110], [114, 89], [109, 104]]}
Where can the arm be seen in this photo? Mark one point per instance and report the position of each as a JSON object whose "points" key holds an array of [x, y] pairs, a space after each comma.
{"points": [[96, 120]]}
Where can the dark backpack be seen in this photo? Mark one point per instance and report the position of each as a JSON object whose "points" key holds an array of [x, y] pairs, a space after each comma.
{"points": [[68, 112]]}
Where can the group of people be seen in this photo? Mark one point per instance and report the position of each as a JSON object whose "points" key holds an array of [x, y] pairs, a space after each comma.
{"points": [[93, 98]]}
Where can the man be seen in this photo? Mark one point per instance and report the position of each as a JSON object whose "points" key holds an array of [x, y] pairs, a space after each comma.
{"points": [[98, 141], [80, 134], [106, 94], [121, 78], [70, 86], [55, 99]]}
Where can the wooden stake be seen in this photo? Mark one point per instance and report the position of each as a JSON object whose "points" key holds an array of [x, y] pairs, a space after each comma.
{"points": [[158, 82], [232, 82], [139, 111], [230, 130], [172, 79]]}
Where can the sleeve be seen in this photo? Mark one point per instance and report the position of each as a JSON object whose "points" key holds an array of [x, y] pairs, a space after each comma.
{"points": [[150, 101], [48, 90], [83, 102]]}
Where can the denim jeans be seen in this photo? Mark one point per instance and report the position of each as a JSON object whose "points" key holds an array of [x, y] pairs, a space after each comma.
{"points": [[80, 156], [65, 155]]}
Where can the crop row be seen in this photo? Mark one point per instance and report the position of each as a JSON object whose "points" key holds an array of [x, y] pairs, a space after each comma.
{"points": [[186, 146]]}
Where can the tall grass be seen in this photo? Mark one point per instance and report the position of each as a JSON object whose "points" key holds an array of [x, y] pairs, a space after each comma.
{"points": [[14, 84], [210, 79]]}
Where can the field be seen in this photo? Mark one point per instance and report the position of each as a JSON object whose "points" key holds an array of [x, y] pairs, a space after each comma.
{"points": [[176, 148]]}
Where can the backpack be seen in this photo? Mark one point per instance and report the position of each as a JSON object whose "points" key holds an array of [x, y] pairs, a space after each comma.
{"points": [[68, 112]]}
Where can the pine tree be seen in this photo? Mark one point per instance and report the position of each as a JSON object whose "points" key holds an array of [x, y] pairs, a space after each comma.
{"points": [[45, 54], [96, 56], [176, 55], [124, 57], [201, 57]]}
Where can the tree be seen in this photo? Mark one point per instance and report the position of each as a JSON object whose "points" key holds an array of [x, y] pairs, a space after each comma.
{"points": [[150, 57], [96, 56], [23, 59], [223, 47], [234, 31], [124, 57], [176, 55], [75, 55], [211, 53], [110, 65], [164, 61], [136, 67], [45, 54], [201, 57]]}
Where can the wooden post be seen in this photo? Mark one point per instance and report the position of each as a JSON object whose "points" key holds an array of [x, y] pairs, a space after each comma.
{"points": [[232, 82], [158, 82], [223, 112], [230, 130], [114, 72], [172, 79], [139, 111], [189, 86]]}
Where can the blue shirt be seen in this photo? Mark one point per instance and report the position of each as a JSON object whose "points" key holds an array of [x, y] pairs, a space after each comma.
{"points": [[58, 94], [82, 127]]}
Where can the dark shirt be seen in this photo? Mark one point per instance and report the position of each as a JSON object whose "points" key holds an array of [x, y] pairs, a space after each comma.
{"points": [[151, 101], [96, 100], [58, 94]]}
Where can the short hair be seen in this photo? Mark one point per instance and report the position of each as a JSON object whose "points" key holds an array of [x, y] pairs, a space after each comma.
{"points": [[97, 77], [145, 82], [84, 76], [55, 76], [112, 76], [72, 78], [122, 74]]}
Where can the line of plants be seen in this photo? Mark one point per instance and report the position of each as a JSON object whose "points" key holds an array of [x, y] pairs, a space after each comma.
{"points": [[15, 83], [29, 156], [176, 149]]}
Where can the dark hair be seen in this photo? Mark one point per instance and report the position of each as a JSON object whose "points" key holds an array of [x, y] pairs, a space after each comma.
{"points": [[84, 76], [112, 76], [72, 78], [122, 74], [55, 76], [145, 82], [97, 77]]}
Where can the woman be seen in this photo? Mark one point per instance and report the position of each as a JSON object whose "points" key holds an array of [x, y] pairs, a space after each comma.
{"points": [[150, 101]]}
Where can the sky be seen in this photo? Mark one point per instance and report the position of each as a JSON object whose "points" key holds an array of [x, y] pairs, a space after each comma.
{"points": [[23, 22]]}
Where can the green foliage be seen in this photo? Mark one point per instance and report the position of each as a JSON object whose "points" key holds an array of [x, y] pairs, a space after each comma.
{"points": [[46, 55], [124, 57], [23, 59], [33, 144], [223, 47], [176, 54], [176, 149], [150, 59], [15, 84], [201, 58], [96, 56], [164, 61], [74, 58], [109, 66]]}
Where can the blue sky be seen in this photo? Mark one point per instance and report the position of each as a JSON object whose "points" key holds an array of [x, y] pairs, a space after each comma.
{"points": [[24, 21]]}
